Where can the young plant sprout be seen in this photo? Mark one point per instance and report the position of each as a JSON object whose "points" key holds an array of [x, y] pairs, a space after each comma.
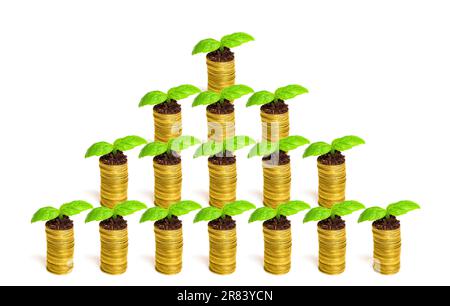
{"points": [[222, 167], [167, 167], [277, 234], [220, 110], [274, 110], [59, 234], [332, 236], [114, 234], [167, 111], [277, 167], [220, 59], [114, 168], [386, 234], [169, 234], [331, 167], [222, 234]]}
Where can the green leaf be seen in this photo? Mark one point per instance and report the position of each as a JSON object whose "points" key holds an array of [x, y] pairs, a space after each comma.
{"points": [[292, 207], [153, 149], [153, 98], [99, 149], [74, 208], [262, 214], [182, 142], [45, 214], [154, 214], [317, 149], [206, 98], [237, 207], [401, 208], [209, 148], [346, 208], [128, 143], [289, 92], [128, 207], [99, 214], [372, 214], [292, 142], [237, 142], [182, 92], [260, 98], [234, 92], [263, 148], [183, 208], [317, 214], [236, 39], [206, 46], [208, 214], [346, 142]]}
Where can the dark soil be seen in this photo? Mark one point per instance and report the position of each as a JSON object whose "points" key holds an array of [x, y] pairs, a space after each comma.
{"points": [[168, 159], [117, 158], [281, 223], [168, 107], [277, 158], [60, 224], [226, 223], [332, 224], [389, 223], [114, 224], [223, 158], [275, 108], [332, 159], [221, 108], [169, 224], [221, 56]]}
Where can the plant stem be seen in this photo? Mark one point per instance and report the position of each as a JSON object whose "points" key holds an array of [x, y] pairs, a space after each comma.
{"points": [[221, 48], [61, 216]]}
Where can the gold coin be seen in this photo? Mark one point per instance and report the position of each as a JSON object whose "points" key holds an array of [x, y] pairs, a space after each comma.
{"points": [[332, 247], [332, 180], [168, 181], [222, 250], [277, 184], [274, 126], [60, 249], [222, 184], [277, 250], [114, 250], [167, 126], [220, 126], [169, 250], [113, 184], [386, 250], [220, 75]]}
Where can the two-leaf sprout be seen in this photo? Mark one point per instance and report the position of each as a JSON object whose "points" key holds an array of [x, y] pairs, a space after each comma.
{"points": [[122, 144], [174, 94], [286, 209], [281, 94], [49, 213], [177, 209], [229, 93], [175, 145], [339, 144], [339, 209], [213, 148], [266, 148], [395, 209], [230, 209], [120, 210], [228, 41]]}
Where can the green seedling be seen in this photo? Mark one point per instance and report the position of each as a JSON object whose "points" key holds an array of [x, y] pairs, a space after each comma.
{"points": [[212, 148], [231, 209], [395, 209], [282, 93], [66, 210], [228, 41], [174, 94], [339, 144], [122, 144], [286, 209], [229, 93], [339, 209], [266, 148], [177, 209], [174, 145], [123, 209]]}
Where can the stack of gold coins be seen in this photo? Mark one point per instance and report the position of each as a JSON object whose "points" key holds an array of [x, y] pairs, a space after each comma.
{"points": [[114, 251], [332, 244], [277, 184], [113, 184], [277, 250], [220, 126], [60, 249], [222, 250], [220, 74], [167, 126], [274, 126], [386, 250], [167, 184], [222, 184], [331, 184], [169, 250]]}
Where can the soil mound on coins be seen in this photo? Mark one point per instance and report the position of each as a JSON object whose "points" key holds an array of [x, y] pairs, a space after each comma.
{"points": [[169, 224], [281, 223], [277, 159], [60, 224], [168, 107], [389, 223], [114, 224], [221, 108], [225, 158], [226, 223], [168, 159], [332, 159], [333, 224], [117, 158], [226, 55], [276, 107]]}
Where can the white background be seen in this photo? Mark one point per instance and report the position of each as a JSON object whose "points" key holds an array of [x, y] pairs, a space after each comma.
{"points": [[72, 73]]}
